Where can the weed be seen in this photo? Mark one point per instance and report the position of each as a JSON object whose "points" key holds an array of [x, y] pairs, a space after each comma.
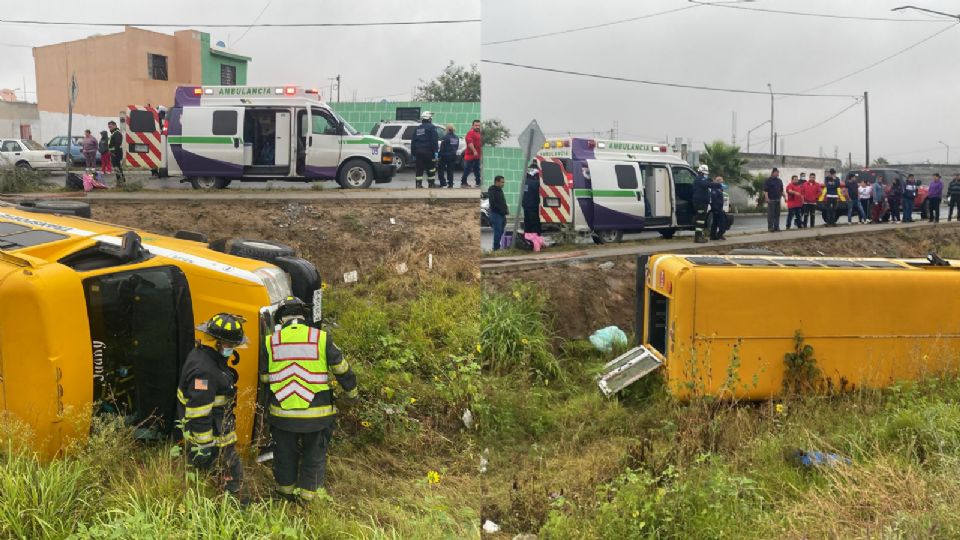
{"points": [[515, 337], [802, 376], [19, 180], [131, 186]]}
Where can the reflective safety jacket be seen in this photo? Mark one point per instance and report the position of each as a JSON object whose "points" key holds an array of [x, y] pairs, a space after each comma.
{"points": [[299, 360], [207, 394]]}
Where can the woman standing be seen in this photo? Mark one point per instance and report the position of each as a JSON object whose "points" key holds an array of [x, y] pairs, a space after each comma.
{"points": [[105, 165], [864, 195], [893, 197]]}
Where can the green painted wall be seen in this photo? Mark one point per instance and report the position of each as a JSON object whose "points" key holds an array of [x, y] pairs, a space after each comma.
{"points": [[364, 115], [210, 64], [507, 162]]}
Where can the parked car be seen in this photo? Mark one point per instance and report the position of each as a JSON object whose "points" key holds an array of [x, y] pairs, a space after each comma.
{"points": [[76, 156], [888, 175], [484, 209], [27, 154], [399, 132]]}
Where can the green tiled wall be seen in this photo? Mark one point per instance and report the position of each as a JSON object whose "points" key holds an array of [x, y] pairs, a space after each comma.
{"points": [[363, 115], [507, 162]]}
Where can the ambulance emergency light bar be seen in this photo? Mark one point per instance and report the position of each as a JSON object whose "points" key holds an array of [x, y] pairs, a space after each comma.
{"points": [[239, 90], [609, 145]]}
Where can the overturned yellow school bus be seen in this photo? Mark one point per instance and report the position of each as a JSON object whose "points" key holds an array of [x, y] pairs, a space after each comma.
{"points": [[721, 325], [97, 315]]}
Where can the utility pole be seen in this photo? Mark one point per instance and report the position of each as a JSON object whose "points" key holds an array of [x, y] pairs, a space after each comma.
{"points": [[338, 88], [866, 118], [948, 151], [733, 129], [772, 138], [849, 160]]}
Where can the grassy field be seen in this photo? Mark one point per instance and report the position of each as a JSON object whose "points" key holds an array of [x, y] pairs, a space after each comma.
{"points": [[402, 464], [568, 463]]}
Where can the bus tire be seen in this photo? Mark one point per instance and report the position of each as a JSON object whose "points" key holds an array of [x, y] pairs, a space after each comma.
{"points": [[260, 250], [667, 233], [304, 278], [355, 174], [65, 208]]}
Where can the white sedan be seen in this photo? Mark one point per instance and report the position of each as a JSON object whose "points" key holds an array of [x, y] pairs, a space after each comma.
{"points": [[27, 154]]}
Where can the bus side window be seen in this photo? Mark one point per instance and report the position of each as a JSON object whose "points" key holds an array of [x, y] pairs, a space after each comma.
{"points": [[683, 180]]}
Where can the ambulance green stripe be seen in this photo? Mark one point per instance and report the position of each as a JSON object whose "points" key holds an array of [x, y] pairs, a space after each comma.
{"points": [[179, 139], [365, 140], [604, 193]]}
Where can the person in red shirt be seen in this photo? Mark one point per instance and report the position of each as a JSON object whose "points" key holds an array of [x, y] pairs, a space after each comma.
{"points": [[811, 192], [471, 156], [794, 202]]}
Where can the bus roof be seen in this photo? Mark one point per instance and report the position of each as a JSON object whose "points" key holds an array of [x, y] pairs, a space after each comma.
{"points": [[607, 149], [195, 96]]}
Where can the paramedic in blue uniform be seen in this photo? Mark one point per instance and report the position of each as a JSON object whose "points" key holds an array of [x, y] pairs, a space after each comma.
{"points": [[530, 200], [423, 145], [719, 224], [449, 145], [701, 202]]}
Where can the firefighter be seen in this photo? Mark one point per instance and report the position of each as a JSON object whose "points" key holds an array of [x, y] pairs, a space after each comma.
{"points": [[424, 146], [718, 226], [301, 414], [701, 201], [207, 393], [116, 151]]}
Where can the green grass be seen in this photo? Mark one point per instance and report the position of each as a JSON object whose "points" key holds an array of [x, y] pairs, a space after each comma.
{"points": [[413, 345], [17, 180], [569, 463]]}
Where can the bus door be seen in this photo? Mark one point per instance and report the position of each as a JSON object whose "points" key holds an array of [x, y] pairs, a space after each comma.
{"points": [[656, 183], [322, 135], [618, 200], [214, 135], [683, 178]]}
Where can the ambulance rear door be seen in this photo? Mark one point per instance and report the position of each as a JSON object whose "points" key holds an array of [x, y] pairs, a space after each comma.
{"points": [[617, 193], [212, 141]]}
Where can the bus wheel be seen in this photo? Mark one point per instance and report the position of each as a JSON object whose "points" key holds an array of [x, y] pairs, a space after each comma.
{"points": [[667, 233], [355, 174], [608, 237]]}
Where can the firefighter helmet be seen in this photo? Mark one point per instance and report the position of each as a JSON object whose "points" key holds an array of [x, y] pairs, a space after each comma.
{"points": [[427, 115], [704, 169], [291, 306], [225, 328]]}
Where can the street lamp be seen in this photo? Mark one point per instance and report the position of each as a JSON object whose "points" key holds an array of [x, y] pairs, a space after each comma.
{"points": [[765, 122], [951, 15], [771, 118], [948, 151]]}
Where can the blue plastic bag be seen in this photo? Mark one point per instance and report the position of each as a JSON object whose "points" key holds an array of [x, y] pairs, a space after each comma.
{"points": [[604, 339]]}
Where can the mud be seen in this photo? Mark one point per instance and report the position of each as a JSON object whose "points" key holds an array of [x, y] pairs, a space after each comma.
{"points": [[337, 236], [585, 297]]}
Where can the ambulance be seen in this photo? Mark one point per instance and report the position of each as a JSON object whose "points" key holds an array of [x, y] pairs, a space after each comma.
{"points": [[606, 188], [218, 134], [97, 319]]}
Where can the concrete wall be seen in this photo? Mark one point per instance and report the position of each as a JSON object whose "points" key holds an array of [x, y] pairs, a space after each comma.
{"points": [[364, 115], [790, 165], [54, 124], [14, 114], [211, 60], [506, 162], [112, 70], [925, 171]]}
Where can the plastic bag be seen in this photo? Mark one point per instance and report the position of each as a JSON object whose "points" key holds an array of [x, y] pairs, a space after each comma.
{"points": [[535, 240], [605, 338]]}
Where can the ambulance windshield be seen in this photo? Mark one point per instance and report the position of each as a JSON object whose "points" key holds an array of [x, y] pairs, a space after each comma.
{"points": [[350, 130]]}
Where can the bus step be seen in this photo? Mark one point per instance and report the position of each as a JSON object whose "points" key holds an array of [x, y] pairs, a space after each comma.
{"points": [[626, 369]]}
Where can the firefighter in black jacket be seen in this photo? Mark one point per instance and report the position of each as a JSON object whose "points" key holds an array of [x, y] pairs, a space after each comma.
{"points": [[530, 200], [424, 146], [701, 200], [718, 226], [448, 156], [207, 395], [296, 365], [116, 151]]}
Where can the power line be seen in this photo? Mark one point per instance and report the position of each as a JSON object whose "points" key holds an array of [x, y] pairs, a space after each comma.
{"points": [[809, 14], [657, 83], [244, 25], [257, 18], [818, 124], [591, 27], [882, 60]]}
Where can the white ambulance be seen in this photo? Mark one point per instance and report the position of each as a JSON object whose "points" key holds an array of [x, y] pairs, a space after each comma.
{"points": [[217, 134], [606, 188]]}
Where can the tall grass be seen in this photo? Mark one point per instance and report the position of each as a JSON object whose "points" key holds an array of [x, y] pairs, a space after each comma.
{"points": [[515, 335]]}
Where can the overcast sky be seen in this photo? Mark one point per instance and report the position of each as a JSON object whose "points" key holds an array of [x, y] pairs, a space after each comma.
{"points": [[372, 61], [914, 98]]}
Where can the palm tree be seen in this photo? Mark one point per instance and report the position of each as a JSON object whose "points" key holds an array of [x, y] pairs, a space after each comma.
{"points": [[725, 160]]}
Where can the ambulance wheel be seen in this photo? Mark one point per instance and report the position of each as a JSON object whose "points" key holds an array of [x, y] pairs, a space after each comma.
{"points": [[667, 233], [66, 208], [400, 159], [209, 182], [355, 173], [608, 237]]}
